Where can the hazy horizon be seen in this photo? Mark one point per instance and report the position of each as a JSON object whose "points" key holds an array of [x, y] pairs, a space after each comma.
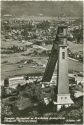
{"points": [[45, 8]]}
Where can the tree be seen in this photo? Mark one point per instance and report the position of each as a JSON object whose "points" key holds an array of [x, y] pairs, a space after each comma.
{"points": [[43, 25], [6, 82], [78, 35]]}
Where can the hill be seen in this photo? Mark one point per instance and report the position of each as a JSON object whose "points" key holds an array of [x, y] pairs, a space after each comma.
{"points": [[45, 8]]}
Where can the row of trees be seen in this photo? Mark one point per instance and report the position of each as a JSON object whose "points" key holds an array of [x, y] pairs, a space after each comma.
{"points": [[13, 49]]}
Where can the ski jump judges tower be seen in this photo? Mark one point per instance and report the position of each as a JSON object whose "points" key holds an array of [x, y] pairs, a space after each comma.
{"points": [[59, 55]]}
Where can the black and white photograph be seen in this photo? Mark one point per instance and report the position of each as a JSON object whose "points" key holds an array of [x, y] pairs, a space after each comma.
{"points": [[41, 62]]}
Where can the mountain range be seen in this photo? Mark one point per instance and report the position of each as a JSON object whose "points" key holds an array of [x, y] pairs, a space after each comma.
{"points": [[44, 8]]}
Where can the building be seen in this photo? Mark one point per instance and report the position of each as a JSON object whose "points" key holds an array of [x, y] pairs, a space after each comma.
{"points": [[63, 95]]}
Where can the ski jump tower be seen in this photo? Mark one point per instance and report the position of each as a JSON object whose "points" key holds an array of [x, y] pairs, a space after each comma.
{"points": [[59, 55], [63, 95]]}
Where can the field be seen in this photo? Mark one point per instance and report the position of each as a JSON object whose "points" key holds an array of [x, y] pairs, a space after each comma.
{"points": [[75, 47], [15, 64]]}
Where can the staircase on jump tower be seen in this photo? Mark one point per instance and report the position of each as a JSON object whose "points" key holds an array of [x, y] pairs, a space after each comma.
{"points": [[59, 55]]}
